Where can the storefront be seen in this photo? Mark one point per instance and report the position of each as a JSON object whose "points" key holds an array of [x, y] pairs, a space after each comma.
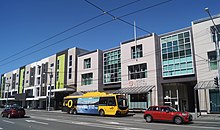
{"points": [[139, 98], [208, 97]]}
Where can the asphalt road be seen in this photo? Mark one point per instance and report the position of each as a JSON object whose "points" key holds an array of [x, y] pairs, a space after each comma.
{"points": [[43, 120]]}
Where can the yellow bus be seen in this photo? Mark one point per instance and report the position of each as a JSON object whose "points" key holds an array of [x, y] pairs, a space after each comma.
{"points": [[99, 103]]}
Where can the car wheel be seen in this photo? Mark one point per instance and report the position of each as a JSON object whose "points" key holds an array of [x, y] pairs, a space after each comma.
{"points": [[178, 120], [101, 113], [9, 115], [148, 118], [2, 115]]}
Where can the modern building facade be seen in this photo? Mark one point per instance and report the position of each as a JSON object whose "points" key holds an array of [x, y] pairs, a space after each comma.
{"points": [[206, 64], [90, 71], [176, 68]]}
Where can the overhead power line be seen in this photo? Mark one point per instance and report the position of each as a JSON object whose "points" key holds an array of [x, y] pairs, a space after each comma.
{"points": [[58, 34], [84, 31], [114, 17]]}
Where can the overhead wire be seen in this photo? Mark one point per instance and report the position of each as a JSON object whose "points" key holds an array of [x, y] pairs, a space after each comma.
{"points": [[86, 30], [73, 27]]}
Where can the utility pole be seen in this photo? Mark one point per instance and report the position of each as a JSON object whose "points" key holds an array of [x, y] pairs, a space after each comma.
{"points": [[216, 45], [51, 76]]}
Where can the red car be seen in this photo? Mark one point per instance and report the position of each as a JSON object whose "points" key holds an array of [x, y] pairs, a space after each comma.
{"points": [[13, 111], [166, 113]]}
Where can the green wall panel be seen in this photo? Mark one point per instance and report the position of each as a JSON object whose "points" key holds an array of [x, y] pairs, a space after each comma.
{"points": [[61, 70], [20, 90]]}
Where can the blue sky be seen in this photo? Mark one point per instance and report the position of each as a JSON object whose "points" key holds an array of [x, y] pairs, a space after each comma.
{"points": [[24, 23]]}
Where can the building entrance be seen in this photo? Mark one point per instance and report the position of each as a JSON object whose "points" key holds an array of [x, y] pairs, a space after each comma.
{"points": [[179, 96], [214, 100]]}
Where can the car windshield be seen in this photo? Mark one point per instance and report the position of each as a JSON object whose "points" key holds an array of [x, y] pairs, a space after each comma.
{"points": [[13, 106], [173, 109]]}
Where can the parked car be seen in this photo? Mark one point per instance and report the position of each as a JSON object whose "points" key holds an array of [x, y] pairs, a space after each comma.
{"points": [[166, 113], [13, 111]]}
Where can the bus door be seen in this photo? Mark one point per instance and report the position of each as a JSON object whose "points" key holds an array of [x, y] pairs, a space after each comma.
{"points": [[108, 104]]}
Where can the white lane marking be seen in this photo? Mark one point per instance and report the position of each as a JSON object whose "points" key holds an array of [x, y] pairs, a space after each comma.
{"points": [[8, 121], [109, 122], [33, 121], [1, 128]]}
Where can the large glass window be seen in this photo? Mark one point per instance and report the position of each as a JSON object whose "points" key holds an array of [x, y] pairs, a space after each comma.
{"points": [[87, 79], [137, 71], [112, 66], [87, 63], [212, 60], [176, 54], [136, 51]]}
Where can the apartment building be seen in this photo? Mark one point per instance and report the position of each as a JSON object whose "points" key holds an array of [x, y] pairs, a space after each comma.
{"points": [[30, 85], [176, 68], [90, 71], [178, 72], [206, 64]]}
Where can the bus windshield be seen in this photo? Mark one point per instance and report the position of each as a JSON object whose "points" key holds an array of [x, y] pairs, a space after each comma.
{"points": [[122, 102]]}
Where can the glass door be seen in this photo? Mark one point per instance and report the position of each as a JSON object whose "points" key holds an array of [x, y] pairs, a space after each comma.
{"points": [[214, 100]]}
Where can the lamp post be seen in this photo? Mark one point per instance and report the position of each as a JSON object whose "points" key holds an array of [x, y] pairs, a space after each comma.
{"points": [[216, 33]]}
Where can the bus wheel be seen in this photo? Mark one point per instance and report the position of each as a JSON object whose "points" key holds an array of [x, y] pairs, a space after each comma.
{"points": [[101, 113], [74, 112]]}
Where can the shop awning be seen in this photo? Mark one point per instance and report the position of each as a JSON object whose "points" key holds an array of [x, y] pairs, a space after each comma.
{"points": [[205, 85], [135, 90]]}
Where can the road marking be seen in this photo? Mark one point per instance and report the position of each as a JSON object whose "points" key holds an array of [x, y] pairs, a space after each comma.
{"points": [[8, 121], [33, 121], [1, 128], [109, 122]]}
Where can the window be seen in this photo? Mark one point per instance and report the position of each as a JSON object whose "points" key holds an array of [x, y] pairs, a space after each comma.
{"points": [[39, 70], [70, 73], [137, 71], [87, 79], [177, 51], [26, 81], [107, 101], [58, 64], [52, 64], [136, 51], [212, 60], [27, 72], [213, 32], [112, 66], [87, 63], [38, 80], [70, 60], [138, 97]]}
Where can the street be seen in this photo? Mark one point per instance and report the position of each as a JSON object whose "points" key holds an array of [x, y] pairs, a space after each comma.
{"points": [[43, 120]]}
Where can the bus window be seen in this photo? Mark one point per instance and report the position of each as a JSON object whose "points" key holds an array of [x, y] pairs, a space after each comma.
{"points": [[103, 101], [111, 101]]}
